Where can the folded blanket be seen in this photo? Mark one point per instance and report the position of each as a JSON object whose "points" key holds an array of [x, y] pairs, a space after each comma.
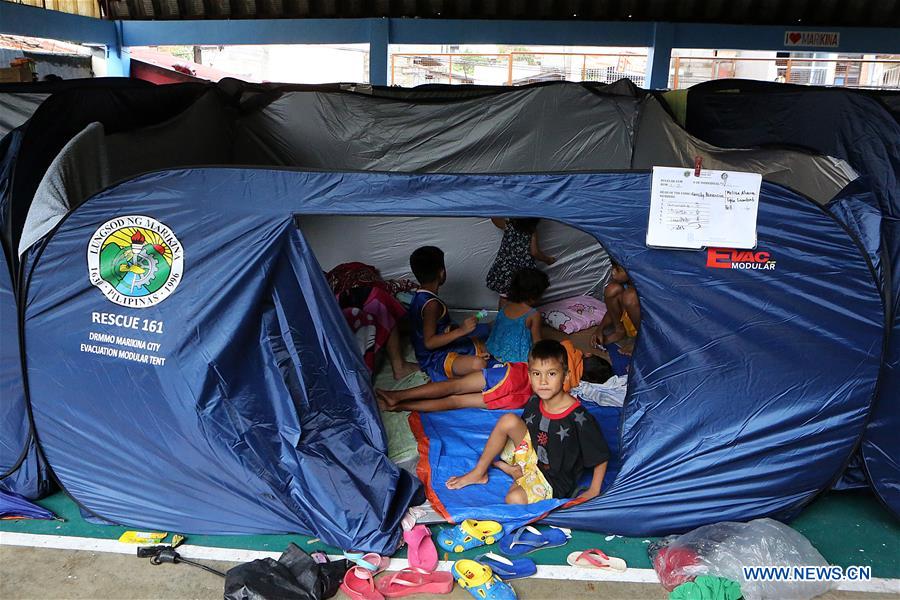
{"points": [[344, 277], [402, 445]]}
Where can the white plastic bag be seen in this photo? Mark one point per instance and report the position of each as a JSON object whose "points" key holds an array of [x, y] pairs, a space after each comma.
{"points": [[725, 549]]}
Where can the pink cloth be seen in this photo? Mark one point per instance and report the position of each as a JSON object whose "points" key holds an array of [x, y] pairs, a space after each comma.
{"points": [[372, 324], [573, 314]]}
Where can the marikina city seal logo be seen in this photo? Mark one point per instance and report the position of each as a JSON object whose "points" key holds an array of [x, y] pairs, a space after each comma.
{"points": [[136, 261]]}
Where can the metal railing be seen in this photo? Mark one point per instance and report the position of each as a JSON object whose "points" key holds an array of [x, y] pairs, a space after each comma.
{"points": [[686, 71], [514, 68]]}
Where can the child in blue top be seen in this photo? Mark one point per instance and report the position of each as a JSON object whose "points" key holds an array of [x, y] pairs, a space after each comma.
{"points": [[518, 324], [443, 349]]}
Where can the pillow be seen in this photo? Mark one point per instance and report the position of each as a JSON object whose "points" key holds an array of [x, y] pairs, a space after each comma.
{"points": [[573, 314]]}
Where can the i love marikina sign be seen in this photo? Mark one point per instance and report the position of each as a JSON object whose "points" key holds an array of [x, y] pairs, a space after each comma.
{"points": [[819, 39]]}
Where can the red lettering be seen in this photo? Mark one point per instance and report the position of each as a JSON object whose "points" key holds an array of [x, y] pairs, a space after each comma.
{"points": [[724, 258], [718, 258]]}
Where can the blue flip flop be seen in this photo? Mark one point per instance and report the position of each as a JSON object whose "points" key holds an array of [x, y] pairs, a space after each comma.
{"points": [[507, 568], [528, 539]]}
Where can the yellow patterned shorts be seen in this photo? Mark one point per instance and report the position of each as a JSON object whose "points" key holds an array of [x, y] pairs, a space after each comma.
{"points": [[532, 480]]}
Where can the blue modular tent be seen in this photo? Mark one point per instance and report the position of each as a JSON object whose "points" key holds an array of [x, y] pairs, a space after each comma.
{"points": [[863, 130], [43, 118], [245, 386], [24, 470], [212, 387]]}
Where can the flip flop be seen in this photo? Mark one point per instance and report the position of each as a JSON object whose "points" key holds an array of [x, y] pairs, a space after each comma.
{"points": [[359, 584], [369, 561], [481, 582], [415, 581], [508, 569], [470, 534], [528, 539], [422, 554], [596, 559]]}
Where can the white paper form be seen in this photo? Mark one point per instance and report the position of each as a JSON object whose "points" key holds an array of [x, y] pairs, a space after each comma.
{"points": [[716, 208]]}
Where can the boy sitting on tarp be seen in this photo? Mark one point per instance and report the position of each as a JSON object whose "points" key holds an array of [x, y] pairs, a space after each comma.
{"points": [[443, 349], [506, 386], [545, 450]]}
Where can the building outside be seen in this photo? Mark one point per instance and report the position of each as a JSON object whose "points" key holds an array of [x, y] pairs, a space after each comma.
{"points": [[412, 65], [878, 71], [51, 57]]}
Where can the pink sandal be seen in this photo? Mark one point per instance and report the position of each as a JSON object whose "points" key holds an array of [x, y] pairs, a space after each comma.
{"points": [[596, 559], [415, 581], [422, 553], [370, 561], [359, 584]]}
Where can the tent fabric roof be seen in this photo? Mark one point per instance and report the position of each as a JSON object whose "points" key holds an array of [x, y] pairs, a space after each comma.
{"points": [[662, 142], [595, 128], [504, 132], [93, 160], [18, 101], [16, 108], [119, 107]]}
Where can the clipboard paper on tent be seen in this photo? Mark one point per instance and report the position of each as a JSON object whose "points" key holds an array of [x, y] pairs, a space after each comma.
{"points": [[694, 208]]}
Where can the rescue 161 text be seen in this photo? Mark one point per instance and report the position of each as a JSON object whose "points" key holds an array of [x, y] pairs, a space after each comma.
{"points": [[127, 322]]}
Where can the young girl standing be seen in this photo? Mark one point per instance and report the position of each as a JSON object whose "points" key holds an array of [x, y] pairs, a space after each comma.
{"points": [[519, 249], [518, 324]]}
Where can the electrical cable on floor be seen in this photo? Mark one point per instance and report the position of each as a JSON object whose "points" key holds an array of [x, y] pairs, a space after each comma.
{"points": [[167, 554], [199, 566]]}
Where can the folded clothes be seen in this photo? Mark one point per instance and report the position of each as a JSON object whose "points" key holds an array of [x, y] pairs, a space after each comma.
{"points": [[611, 393]]}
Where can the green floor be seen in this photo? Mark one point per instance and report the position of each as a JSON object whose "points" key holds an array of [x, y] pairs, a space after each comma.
{"points": [[848, 528]]}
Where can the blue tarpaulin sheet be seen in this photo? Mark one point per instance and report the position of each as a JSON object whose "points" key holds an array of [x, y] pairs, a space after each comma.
{"points": [[450, 443]]}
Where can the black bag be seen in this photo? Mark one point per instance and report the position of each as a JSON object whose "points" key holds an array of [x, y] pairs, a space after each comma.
{"points": [[295, 576]]}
